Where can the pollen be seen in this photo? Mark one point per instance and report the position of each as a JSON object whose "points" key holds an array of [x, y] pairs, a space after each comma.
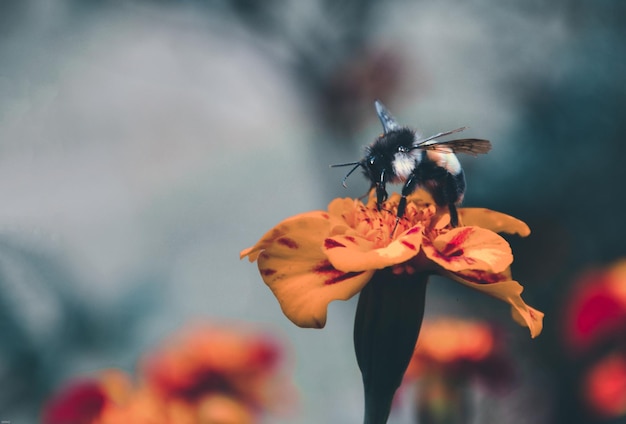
{"points": [[378, 225]]}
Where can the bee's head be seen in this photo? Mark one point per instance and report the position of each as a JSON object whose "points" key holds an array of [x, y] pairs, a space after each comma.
{"points": [[379, 156], [376, 164]]}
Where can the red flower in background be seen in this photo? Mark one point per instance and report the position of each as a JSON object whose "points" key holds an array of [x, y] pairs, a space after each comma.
{"points": [[596, 309], [79, 403], [604, 386], [595, 328], [83, 401]]}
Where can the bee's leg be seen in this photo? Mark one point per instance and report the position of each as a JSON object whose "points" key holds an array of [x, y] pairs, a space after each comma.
{"points": [[454, 215], [408, 188], [381, 193], [454, 191]]}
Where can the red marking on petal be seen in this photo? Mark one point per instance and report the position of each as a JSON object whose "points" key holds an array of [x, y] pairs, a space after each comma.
{"points": [[325, 216], [531, 313], [414, 230], [332, 274], [350, 238], [343, 276], [267, 272], [409, 245], [286, 241], [453, 247], [324, 267], [331, 244]]}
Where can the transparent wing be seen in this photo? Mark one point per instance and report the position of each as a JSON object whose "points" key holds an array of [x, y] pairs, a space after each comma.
{"points": [[470, 146]]}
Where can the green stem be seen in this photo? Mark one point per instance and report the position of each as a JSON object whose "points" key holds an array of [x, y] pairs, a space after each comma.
{"points": [[388, 319]]}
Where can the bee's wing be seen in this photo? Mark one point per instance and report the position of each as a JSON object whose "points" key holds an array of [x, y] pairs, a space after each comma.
{"points": [[470, 146], [388, 121]]}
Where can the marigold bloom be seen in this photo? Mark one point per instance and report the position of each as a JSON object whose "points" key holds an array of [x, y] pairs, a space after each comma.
{"points": [[204, 361], [459, 349], [148, 407], [203, 375], [314, 258]]}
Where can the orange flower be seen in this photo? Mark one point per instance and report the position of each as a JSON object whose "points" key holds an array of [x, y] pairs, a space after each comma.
{"points": [[458, 349], [311, 259], [203, 375], [604, 388], [204, 361], [147, 407]]}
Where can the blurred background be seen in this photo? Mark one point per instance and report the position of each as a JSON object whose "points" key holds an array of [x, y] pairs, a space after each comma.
{"points": [[143, 144]]}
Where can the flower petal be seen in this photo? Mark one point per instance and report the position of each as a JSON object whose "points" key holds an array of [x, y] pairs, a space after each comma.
{"points": [[299, 227], [351, 253], [305, 285], [470, 248], [293, 265], [494, 221], [509, 291]]}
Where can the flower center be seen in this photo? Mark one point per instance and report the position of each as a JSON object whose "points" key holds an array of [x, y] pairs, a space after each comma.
{"points": [[383, 226]]}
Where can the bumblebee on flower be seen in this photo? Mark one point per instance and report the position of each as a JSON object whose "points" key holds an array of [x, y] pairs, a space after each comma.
{"points": [[385, 249]]}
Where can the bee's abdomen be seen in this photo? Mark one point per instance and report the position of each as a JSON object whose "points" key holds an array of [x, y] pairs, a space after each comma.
{"points": [[445, 187]]}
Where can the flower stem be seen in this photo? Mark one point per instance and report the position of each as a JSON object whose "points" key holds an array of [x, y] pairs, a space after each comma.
{"points": [[387, 322]]}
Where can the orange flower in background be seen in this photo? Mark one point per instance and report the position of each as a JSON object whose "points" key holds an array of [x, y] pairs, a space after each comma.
{"points": [[450, 354], [458, 349], [596, 310], [314, 258], [203, 375], [203, 361], [147, 407]]}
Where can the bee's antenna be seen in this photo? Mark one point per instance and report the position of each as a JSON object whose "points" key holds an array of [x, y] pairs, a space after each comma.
{"points": [[356, 165]]}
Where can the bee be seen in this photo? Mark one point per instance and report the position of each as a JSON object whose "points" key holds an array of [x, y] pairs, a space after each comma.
{"points": [[401, 156]]}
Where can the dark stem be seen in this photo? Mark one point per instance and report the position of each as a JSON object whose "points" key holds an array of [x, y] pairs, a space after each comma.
{"points": [[388, 319]]}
